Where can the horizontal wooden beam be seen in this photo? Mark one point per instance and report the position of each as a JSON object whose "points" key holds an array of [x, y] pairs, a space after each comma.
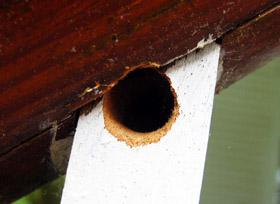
{"points": [[48, 71], [57, 56]]}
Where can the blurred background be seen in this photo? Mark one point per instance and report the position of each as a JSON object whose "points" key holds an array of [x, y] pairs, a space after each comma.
{"points": [[243, 165]]}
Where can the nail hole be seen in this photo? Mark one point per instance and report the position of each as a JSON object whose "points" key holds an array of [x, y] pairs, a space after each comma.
{"points": [[115, 38], [143, 102]]}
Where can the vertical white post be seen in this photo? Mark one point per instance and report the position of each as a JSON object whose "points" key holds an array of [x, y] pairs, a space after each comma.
{"points": [[104, 170]]}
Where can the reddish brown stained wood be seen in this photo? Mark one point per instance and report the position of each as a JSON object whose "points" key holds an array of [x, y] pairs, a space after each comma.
{"points": [[250, 46], [56, 56]]}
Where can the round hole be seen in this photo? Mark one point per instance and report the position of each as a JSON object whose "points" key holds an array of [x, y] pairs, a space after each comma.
{"points": [[143, 102]]}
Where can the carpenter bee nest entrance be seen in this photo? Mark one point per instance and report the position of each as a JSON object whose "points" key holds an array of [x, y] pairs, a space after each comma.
{"points": [[141, 108]]}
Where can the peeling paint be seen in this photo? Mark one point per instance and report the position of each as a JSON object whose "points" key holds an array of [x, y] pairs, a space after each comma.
{"points": [[202, 43]]}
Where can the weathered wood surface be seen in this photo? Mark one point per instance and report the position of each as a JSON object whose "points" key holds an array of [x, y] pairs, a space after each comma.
{"points": [[249, 47], [52, 55]]}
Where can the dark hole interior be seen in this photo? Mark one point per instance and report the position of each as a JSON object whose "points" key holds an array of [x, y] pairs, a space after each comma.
{"points": [[143, 101]]}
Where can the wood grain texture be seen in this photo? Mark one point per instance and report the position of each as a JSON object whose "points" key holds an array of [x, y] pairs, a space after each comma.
{"points": [[56, 56]]}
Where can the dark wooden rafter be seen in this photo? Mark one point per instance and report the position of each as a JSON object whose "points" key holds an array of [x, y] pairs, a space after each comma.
{"points": [[29, 165], [56, 57]]}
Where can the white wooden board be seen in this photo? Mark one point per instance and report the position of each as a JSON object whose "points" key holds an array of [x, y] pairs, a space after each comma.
{"points": [[104, 170]]}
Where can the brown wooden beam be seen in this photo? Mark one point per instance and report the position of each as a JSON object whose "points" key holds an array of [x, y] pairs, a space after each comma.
{"points": [[57, 56]]}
